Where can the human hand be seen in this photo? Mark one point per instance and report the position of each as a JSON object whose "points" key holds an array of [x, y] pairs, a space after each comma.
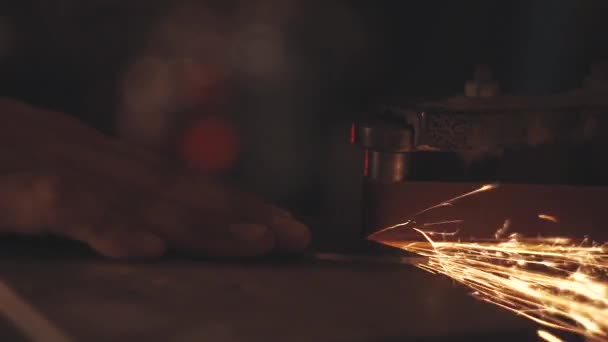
{"points": [[63, 178]]}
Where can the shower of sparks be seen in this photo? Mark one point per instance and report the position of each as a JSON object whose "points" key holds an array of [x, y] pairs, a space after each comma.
{"points": [[553, 281]]}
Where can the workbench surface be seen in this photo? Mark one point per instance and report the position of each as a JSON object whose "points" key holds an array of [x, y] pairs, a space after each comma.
{"points": [[178, 299]]}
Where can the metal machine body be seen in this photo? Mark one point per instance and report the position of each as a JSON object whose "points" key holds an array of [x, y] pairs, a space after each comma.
{"points": [[483, 136]]}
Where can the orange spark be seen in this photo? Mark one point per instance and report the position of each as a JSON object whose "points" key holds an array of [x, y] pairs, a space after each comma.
{"points": [[548, 218], [549, 337]]}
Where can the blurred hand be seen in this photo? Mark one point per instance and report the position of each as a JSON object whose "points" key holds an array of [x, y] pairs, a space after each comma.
{"points": [[60, 177]]}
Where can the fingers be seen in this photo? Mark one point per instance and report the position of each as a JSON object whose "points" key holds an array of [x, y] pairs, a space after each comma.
{"points": [[119, 242], [30, 204], [232, 240], [289, 234], [204, 232], [101, 217], [34, 204]]}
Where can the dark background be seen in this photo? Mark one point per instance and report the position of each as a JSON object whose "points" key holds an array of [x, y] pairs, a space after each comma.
{"points": [[62, 51], [341, 56]]}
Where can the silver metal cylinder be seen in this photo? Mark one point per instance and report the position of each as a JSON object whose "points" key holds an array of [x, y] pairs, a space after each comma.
{"points": [[385, 167]]}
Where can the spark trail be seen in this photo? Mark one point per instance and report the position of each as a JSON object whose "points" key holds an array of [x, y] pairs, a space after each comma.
{"points": [[554, 281]]}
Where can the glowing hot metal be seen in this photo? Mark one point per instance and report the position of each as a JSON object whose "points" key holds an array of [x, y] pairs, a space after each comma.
{"points": [[552, 281]]}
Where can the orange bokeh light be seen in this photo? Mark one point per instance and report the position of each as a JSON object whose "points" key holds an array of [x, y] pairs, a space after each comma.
{"points": [[211, 144]]}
